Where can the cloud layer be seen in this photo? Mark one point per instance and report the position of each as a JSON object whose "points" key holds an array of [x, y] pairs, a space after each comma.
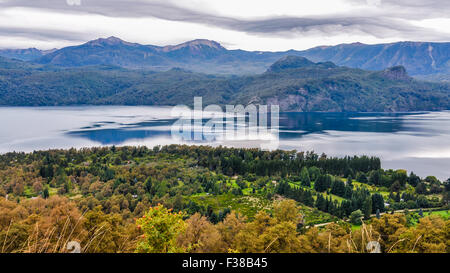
{"points": [[379, 19]]}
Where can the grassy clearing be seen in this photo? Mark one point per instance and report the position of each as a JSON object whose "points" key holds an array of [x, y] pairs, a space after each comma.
{"points": [[313, 216], [445, 214], [372, 189], [250, 205], [246, 205], [333, 197], [414, 217], [356, 227]]}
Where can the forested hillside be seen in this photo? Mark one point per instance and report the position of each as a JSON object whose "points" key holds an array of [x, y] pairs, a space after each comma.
{"points": [[203, 199], [294, 83]]}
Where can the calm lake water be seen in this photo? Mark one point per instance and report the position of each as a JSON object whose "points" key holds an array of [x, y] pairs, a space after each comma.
{"points": [[418, 142]]}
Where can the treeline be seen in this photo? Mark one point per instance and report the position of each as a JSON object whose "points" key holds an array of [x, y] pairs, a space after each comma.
{"points": [[231, 161]]}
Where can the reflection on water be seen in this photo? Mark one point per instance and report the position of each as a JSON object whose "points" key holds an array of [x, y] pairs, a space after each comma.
{"points": [[415, 141], [118, 136], [295, 125], [292, 125], [124, 132]]}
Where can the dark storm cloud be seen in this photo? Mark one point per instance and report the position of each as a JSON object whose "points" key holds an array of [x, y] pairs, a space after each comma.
{"points": [[378, 27], [386, 23]]}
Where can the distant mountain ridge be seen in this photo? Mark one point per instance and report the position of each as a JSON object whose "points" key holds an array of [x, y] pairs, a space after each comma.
{"points": [[28, 54], [424, 60], [194, 45], [419, 58]]}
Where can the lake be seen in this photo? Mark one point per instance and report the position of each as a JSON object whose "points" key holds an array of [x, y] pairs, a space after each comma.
{"points": [[418, 142]]}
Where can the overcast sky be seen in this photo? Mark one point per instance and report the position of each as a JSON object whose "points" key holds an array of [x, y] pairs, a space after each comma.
{"points": [[247, 24]]}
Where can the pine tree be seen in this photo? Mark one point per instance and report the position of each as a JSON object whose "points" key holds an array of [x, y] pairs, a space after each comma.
{"points": [[377, 202], [321, 203], [367, 207], [45, 193], [304, 177]]}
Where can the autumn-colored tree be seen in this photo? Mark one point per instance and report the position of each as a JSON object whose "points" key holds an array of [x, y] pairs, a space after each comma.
{"points": [[106, 233], [230, 227], [249, 238], [55, 222], [276, 234], [390, 227], [334, 239], [432, 235], [287, 211], [48, 223], [37, 187], [281, 238], [201, 236]]}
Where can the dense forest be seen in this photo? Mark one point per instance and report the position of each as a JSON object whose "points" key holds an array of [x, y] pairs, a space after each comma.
{"points": [[203, 199], [293, 83]]}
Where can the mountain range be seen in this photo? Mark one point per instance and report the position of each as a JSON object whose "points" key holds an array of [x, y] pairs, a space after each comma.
{"points": [[423, 60], [295, 83]]}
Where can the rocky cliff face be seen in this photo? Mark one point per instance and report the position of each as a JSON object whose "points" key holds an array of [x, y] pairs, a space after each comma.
{"points": [[396, 73], [419, 58]]}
